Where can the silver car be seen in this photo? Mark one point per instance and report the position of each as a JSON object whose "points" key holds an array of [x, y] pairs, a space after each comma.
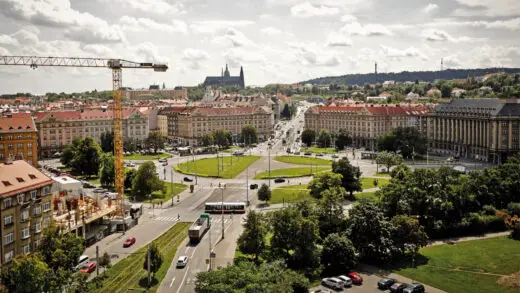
{"points": [[333, 283], [182, 261], [346, 280]]}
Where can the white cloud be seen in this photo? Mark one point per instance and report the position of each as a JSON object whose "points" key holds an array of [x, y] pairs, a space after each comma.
{"points": [[430, 8], [491, 8], [312, 55], [93, 34], [348, 18], [27, 36], [355, 28], [512, 24], [148, 52], [238, 56], [194, 57], [145, 24], [435, 35], [233, 37], [4, 51], [151, 6], [406, 53], [338, 40], [212, 26], [271, 31], [8, 40], [307, 9], [99, 50]]}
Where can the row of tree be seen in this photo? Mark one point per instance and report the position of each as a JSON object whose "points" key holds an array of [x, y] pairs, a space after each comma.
{"points": [[224, 138], [324, 138]]}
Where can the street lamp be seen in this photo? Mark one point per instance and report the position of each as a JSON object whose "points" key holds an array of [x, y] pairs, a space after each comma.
{"points": [[269, 160], [222, 208]]}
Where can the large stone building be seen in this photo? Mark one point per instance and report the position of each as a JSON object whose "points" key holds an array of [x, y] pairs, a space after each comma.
{"points": [[174, 94], [482, 129], [226, 79], [193, 123], [25, 210], [364, 123], [58, 129], [18, 138]]}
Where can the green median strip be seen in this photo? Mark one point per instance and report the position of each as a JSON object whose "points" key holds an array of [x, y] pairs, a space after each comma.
{"points": [[291, 172], [230, 166]]}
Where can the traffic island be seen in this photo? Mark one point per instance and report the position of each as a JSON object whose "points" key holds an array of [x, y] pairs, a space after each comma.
{"points": [[226, 167]]}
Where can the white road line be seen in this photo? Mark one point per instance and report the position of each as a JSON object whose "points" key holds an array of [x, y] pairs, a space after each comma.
{"points": [[187, 250], [183, 278], [192, 253], [173, 280]]}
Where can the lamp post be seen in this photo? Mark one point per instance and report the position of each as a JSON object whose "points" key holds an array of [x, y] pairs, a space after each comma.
{"points": [[269, 172], [196, 173], [222, 208], [171, 179], [247, 186]]}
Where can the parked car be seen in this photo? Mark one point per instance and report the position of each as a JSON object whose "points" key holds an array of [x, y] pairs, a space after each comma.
{"points": [[188, 179], [253, 186], [398, 287], [99, 190], [165, 164], [346, 280], [319, 155], [182, 261], [84, 259], [414, 288], [386, 283], [307, 153], [129, 242], [335, 156], [88, 267], [321, 291], [297, 152], [163, 160], [279, 180], [333, 283], [356, 278], [130, 165]]}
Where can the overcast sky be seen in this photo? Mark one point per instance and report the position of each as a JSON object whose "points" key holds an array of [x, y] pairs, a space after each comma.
{"points": [[276, 41]]}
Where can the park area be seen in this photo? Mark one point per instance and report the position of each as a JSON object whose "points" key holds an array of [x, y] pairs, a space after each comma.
{"points": [[301, 160], [159, 197], [141, 157], [290, 193], [318, 150], [128, 274], [291, 172], [230, 166], [467, 267]]}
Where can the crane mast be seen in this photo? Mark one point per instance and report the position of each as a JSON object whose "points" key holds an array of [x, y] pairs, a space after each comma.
{"points": [[117, 83]]}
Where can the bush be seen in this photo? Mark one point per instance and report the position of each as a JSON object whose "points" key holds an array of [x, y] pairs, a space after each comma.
{"points": [[489, 210], [514, 208]]}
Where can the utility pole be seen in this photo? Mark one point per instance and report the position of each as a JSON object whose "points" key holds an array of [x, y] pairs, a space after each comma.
{"points": [[269, 172], [222, 207], [172, 183], [97, 260], [196, 173], [148, 267], [218, 166], [247, 185], [209, 232]]}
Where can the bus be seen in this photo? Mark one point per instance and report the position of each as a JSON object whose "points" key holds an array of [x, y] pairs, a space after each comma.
{"points": [[229, 207]]}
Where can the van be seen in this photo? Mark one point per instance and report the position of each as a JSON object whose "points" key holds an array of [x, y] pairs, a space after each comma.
{"points": [[84, 259]]}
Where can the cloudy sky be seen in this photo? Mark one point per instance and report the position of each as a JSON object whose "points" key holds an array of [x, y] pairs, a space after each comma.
{"points": [[277, 41]]}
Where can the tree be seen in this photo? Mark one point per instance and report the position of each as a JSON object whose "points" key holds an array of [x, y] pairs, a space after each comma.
{"points": [[252, 240], [146, 181], [405, 140], [408, 234], [221, 138], [264, 193], [26, 275], [324, 138], [286, 112], [388, 159], [306, 254], [107, 171], [130, 145], [69, 153], [207, 139], [446, 90], [105, 260], [129, 178], [339, 254], [83, 156], [330, 211], [308, 136], [107, 141], [155, 141], [351, 176], [156, 258], [323, 181], [249, 134], [343, 139], [285, 225]]}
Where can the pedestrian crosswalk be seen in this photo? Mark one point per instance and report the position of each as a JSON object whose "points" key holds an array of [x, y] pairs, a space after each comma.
{"points": [[175, 219]]}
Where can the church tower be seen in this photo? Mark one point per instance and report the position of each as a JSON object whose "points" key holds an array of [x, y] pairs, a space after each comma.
{"points": [[226, 73], [242, 83]]}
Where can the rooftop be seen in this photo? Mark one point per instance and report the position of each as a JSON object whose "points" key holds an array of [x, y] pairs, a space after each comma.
{"points": [[19, 176], [17, 123]]}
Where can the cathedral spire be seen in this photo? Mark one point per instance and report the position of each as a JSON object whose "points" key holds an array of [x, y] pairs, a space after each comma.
{"points": [[226, 73]]}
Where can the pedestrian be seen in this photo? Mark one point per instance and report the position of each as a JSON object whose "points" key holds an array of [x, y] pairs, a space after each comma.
{"points": [[178, 216]]}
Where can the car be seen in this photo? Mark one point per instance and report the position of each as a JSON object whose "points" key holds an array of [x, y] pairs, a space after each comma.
{"points": [[297, 153], [414, 288], [279, 180], [188, 179], [130, 165], [307, 153], [88, 267], [346, 280], [356, 278], [319, 155], [333, 283], [82, 260], [321, 291], [165, 164], [182, 261], [253, 186], [335, 156], [163, 160], [129, 242], [99, 190], [398, 287], [386, 283]]}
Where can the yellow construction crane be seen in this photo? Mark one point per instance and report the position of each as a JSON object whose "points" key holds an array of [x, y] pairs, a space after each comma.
{"points": [[116, 65]]}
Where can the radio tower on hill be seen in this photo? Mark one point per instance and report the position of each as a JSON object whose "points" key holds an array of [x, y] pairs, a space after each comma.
{"points": [[375, 68]]}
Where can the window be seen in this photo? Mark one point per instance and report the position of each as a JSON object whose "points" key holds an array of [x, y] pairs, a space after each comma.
{"points": [[1, 147], [46, 190], [29, 145], [8, 238], [10, 146], [29, 154], [33, 194], [37, 227], [36, 244], [26, 233], [24, 215], [26, 249], [9, 255], [46, 221], [8, 220], [8, 202], [21, 198], [37, 210], [46, 206], [9, 137], [20, 145]]}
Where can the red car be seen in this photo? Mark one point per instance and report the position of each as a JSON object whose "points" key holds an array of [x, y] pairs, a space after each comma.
{"points": [[165, 164], [88, 267], [129, 241], [356, 278]]}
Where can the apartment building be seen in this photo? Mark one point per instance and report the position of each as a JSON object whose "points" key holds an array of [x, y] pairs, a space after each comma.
{"points": [[175, 94], [58, 129], [18, 138], [364, 123], [482, 129], [193, 123], [25, 210]]}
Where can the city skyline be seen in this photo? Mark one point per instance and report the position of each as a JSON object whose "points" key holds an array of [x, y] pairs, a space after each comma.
{"points": [[282, 41]]}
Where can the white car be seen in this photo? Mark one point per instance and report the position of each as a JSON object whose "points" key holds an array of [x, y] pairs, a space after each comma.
{"points": [[182, 261], [346, 280], [333, 283]]}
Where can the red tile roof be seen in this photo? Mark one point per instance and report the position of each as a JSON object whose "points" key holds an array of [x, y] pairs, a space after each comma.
{"points": [[20, 176], [89, 114], [374, 110], [17, 124], [224, 111]]}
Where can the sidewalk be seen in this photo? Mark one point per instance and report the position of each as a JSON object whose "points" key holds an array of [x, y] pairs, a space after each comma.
{"points": [[467, 238]]}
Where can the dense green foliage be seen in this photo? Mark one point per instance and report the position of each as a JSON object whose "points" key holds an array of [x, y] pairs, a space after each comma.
{"points": [[388, 159], [156, 258], [146, 181], [408, 141], [222, 138], [324, 138], [107, 141], [350, 175], [83, 156], [155, 141], [342, 139], [207, 139], [252, 241], [107, 176], [323, 181], [264, 193], [308, 136], [339, 254], [249, 134]]}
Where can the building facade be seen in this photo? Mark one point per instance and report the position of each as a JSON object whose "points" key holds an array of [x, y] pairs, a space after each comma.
{"points": [[482, 129], [59, 129], [18, 138], [225, 79], [25, 210], [175, 94], [193, 123], [364, 123]]}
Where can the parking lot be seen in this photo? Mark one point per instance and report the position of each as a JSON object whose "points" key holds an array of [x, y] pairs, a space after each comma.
{"points": [[369, 285]]}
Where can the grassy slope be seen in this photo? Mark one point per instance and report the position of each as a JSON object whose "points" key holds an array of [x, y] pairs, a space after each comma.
{"points": [[367, 182], [301, 160], [177, 188], [290, 193], [207, 167], [291, 172]]}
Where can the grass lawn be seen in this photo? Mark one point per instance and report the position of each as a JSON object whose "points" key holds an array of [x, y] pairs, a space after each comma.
{"points": [[291, 172], [147, 157], [290, 193], [301, 160], [232, 149], [95, 181], [366, 195], [451, 267], [157, 196], [129, 273], [207, 167], [367, 183], [382, 175], [316, 150]]}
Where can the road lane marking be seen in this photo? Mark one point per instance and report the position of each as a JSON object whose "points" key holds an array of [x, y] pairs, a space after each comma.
{"points": [[192, 253], [173, 280], [183, 279], [187, 250]]}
